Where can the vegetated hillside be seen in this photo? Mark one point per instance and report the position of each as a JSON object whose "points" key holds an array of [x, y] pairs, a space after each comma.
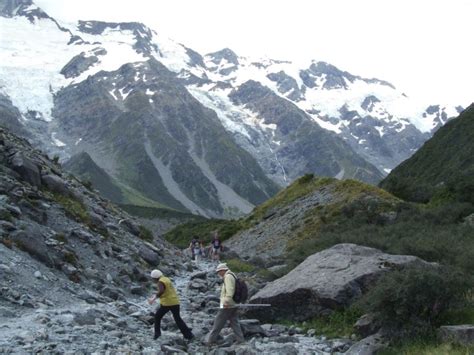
{"points": [[442, 168], [315, 213]]}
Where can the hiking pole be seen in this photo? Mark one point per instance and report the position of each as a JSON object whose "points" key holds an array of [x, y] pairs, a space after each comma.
{"points": [[245, 305]]}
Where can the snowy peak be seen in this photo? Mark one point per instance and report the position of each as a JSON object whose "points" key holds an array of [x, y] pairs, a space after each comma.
{"points": [[143, 35], [224, 54], [25, 8], [438, 115], [287, 85], [322, 75]]}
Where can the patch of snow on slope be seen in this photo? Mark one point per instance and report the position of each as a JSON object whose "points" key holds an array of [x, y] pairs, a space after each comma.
{"points": [[30, 62], [217, 100], [119, 46], [380, 130], [56, 141]]}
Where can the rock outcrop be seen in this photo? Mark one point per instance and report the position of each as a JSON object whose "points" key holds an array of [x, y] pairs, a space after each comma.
{"points": [[461, 334], [327, 280]]}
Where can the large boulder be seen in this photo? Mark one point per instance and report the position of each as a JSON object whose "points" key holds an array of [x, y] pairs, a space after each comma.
{"points": [[461, 334], [56, 184], [327, 280], [26, 168], [32, 242]]}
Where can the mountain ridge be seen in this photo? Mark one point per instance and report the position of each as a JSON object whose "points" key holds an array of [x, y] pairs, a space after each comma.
{"points": [[97, 56]]}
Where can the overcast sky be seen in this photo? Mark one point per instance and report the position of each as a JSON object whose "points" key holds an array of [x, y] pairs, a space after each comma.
{"points": [[423, 47]]}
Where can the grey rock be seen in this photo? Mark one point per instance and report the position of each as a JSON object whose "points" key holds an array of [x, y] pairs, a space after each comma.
{"points": [[168, 349], [469, 220], [252, 329], [461, 334], [149, 256], [199, 275], [110, 292], [32, 241], [56, 184], [137, 290], [366, 325], [26, 168], [285, 339], [14, 210], [81, 63], [371, 345], [84, 236], [88, 317], [7, 226], [7, 313], [332, 278], [130, 226], [286, 349]]}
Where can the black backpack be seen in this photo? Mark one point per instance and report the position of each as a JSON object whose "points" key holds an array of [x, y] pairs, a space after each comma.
{"points": [[241, 293]]}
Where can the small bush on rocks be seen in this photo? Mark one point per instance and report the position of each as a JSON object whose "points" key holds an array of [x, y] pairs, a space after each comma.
{"points": [[413, 300], [145, 234], [339, 323], [7, 242], [70, 258], [73, 207], [238, 265]]}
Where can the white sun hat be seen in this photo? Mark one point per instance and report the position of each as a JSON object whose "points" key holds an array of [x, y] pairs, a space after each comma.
{"points": [[156, 274]]}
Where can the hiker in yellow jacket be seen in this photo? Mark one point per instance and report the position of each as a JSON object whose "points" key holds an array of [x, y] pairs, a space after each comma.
{"points": [[169, 301], [228, 310]]}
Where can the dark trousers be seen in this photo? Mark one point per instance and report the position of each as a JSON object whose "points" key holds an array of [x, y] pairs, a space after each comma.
{"points": [[177, 318]]}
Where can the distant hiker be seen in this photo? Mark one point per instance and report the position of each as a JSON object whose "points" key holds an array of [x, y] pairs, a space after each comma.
{"points": [[216, 246], [228, 310], [169, 301], [196, 248]]}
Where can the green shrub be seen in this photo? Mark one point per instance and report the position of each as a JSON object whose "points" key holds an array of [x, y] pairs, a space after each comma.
{"points": [[238, 265], [87, 184], [60, 237], [70, 258], [305, 179], [73, 207], [414, 299], [182, 235], [145, 234], [339, 323], [267, 275], [6, 215], [431, 233]]}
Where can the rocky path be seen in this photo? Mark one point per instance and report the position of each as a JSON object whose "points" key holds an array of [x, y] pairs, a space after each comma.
{"points": [[99, 327]]}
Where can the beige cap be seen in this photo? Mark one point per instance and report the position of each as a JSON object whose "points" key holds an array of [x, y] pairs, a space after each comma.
{"points": [[222, 266]]}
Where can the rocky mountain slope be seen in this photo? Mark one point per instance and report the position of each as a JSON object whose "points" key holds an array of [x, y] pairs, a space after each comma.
{"points": [[380, 123], [74, 274], [443, 165], [60, 227], [213, 135]]}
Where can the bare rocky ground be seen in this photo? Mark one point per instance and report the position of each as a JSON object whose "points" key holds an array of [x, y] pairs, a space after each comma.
{"points": [[67, 319]]}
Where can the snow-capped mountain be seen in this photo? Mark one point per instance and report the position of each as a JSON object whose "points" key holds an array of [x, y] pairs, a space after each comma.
{"points": [[210, 134]]}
